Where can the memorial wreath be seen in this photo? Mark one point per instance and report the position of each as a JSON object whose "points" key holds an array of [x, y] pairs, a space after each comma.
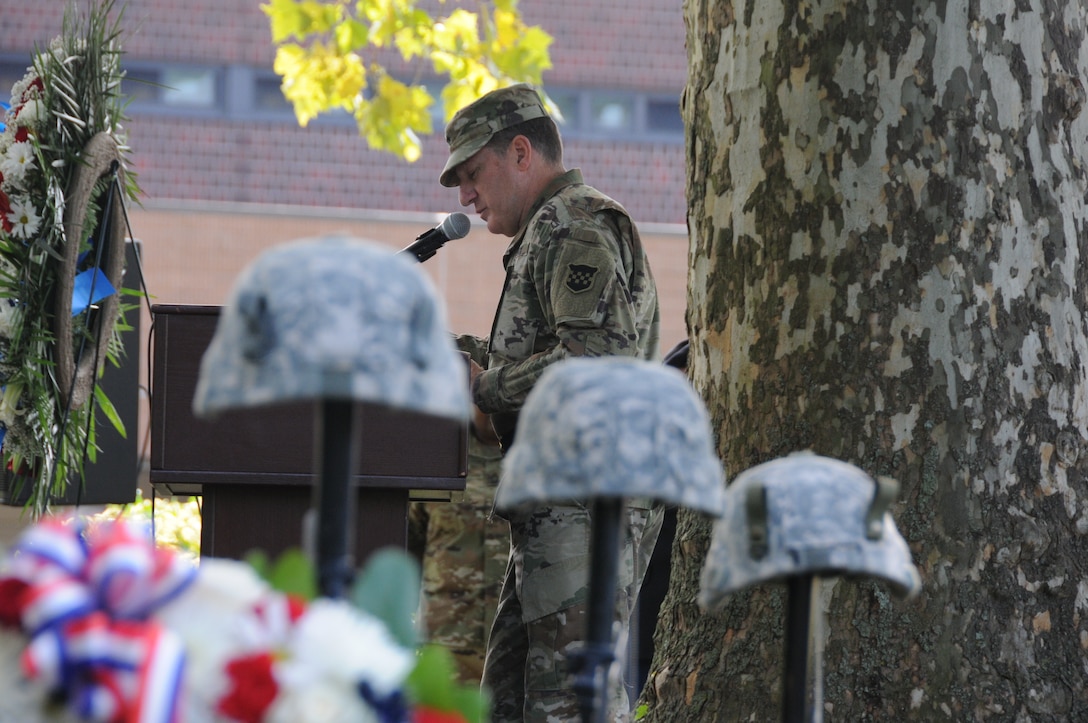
{"points": [[111, 627], [62, 233]]}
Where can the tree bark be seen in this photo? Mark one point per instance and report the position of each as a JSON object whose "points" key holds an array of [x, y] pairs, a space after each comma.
{"points": [[887, 225]]}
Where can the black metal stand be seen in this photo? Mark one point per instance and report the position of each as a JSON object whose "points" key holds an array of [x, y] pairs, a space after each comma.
{"points": [[590, 665], [795, 683], [334, 427]]}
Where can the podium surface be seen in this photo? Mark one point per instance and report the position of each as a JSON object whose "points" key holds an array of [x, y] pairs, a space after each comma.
{"points": [[255, 468]]}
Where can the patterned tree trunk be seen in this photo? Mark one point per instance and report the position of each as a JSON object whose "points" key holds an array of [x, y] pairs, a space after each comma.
{"points": [[888, 241]]}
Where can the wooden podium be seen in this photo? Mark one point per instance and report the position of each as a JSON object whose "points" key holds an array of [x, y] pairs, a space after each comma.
{"points": [[254, 468]]}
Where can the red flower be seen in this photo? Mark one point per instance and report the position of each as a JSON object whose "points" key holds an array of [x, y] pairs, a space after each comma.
{"points": [[296, 606], [21, 134], [12, 600], [430, 715], [5, 209], [252, 688], [35, 85]]}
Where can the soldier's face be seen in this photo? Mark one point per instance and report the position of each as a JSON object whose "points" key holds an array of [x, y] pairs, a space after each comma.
{"points": [[489, 182]]}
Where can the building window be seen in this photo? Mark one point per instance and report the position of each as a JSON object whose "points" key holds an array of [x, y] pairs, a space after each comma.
{"points": [[269, 95], [241, 92], [173, 88], [612, 113], [189, 87], [140, 86], [663, 116], [568, 103]]}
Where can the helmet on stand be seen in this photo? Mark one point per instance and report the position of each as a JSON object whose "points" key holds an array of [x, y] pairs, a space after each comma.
{"points": [[805, 515]]}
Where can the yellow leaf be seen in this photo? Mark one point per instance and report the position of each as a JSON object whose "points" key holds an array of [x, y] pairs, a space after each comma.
{"points": [[457, 94], [457, 33], [316, 79], [413, 38], [392, 117], [321, 16], [285, 18], [478, 52], [351, 35], [507, 28]]}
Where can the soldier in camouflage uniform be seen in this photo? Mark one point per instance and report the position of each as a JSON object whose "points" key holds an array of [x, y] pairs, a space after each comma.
{"points": [[577, 284], [463, 550]]}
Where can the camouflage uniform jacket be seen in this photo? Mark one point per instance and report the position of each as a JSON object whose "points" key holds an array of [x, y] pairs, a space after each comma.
{"points": [[577, 284]]}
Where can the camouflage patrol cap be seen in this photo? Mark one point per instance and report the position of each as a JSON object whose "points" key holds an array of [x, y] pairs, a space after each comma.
{"points": [[612, 427], [805, 515], [474, 125], [335, 318]]}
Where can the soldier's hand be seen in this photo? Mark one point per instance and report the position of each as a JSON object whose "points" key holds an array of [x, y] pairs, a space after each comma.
{"points": [[481, 427], [474, 370]]}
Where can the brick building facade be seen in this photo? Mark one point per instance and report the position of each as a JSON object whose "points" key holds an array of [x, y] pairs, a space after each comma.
{"points": [[227, 172]]}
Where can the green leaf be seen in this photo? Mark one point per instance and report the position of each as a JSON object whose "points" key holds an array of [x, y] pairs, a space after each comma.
{"points": [[109, 410], [431, 684], [258, 560], [388, 588], [293, 574]]}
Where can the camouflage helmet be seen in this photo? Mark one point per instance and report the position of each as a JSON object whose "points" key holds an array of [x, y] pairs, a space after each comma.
{"points": [[334, 317], [805, 514], [473, 126], [612, 427]]}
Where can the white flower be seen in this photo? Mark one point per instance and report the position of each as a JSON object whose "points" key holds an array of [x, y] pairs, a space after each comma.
{"points": [[214, 617], [9, 317], [336, 642], [9, 403], [320, 702], [19, 89], [31, 114], [24, 218], [18, 159]]}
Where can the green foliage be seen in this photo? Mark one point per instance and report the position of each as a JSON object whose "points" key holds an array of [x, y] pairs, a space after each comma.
{"points": [[319, 55], [291, 573], [429, 686], [388, 588]]}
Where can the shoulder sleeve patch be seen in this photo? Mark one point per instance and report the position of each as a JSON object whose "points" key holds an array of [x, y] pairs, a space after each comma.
{"points": [[583, 276], [580, 277]]}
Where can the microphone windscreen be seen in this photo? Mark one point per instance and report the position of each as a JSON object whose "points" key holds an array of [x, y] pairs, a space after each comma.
{"points": [[456, 225]]}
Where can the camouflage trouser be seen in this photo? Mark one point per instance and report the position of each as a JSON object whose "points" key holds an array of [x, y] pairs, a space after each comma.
{"points": [[543, 609], [464, 556]]}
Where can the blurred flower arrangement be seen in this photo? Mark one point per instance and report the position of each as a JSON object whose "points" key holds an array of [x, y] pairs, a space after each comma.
{"points": [[175, 521], [121, 630], [70, 95]]}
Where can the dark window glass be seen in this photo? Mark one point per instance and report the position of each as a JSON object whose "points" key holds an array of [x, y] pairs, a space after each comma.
{"points": [[140, 86], [664, 117], [268, 96], [567, 102]]}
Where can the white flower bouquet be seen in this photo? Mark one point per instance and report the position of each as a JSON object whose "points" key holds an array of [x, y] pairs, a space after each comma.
{"points": [[118, 629]]}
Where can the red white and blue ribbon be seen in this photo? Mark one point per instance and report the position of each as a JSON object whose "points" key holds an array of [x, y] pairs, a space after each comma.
{"points": [[90, 590]]}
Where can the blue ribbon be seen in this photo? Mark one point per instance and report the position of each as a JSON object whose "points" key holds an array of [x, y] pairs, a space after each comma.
{"points": [[91, 286]]}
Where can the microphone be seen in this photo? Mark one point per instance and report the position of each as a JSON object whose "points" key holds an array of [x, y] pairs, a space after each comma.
{"points": [[456, 225]]}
